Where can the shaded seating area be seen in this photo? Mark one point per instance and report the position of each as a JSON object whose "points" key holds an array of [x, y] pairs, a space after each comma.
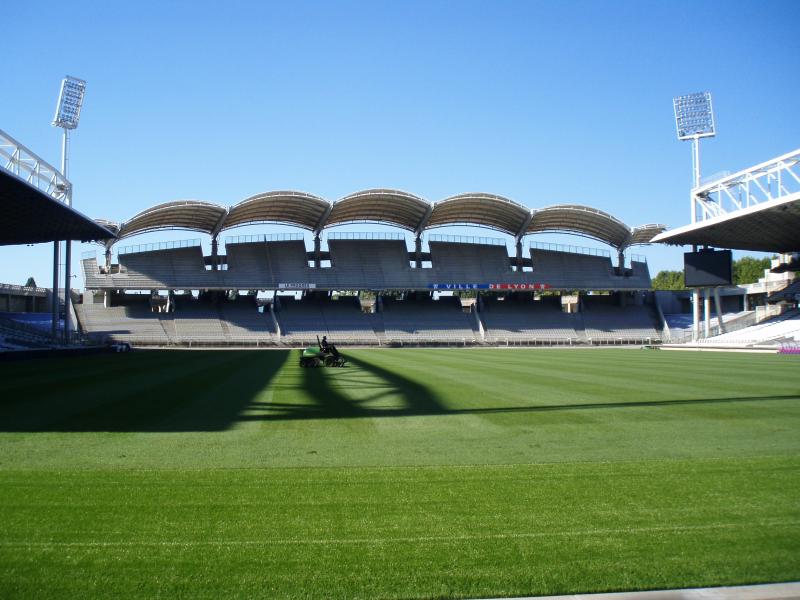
{"points": [[341, 319], [369, 264], [266, 265], [521, 318], [421, 318], [606, 321], [158, 269], [470, 263]]}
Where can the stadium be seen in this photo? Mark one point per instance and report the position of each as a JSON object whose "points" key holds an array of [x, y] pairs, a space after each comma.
{"points": [[490, 414]]}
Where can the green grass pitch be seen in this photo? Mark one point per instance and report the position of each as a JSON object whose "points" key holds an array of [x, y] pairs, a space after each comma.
{"points": [[408, 474]]}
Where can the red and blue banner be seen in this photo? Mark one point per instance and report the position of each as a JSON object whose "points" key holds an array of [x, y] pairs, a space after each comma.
{"points": [[489, 286]]}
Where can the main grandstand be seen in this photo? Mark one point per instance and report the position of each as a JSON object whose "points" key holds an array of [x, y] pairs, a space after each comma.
{"points": [[370, 288]]}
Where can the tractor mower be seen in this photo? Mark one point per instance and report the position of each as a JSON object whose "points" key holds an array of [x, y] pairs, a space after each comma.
{"points": [[321, 355]]}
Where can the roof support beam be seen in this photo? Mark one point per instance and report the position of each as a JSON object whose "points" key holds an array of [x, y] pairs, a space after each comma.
{"points": [[423, 222], [220, 224], [523, 230], [321, 223]]}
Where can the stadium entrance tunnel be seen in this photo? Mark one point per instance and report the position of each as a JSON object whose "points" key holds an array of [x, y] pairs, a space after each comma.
{"points": [[361, 389], [175, 391]]}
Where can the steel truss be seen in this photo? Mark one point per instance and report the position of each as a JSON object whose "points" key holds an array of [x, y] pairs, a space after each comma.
{"points": [[32, 169], [767, 182]]}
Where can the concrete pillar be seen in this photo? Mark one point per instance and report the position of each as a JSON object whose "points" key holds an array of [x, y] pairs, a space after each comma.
{"points": [[214, 253], [418, 251], [519, 255], [695, 314], [621, 261], [707, 311], [718, 307], [108, 259], [317, 251]]}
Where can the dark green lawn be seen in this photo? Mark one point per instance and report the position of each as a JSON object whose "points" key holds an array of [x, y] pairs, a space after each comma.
{"points": [[408, 474]]}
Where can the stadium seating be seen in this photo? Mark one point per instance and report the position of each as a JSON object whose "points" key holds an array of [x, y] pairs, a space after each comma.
{"points": [[365, 264], [342, 319], [368, 264], [242, 321], [358, 264], [470, 263], [526, 320], [570, 270], [773, 332], [156, 269], [133, 322], [423, 319], [680, 325], [266, 265], [605, 321]]}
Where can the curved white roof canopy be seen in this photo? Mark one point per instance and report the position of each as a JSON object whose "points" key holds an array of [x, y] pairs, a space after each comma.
{"points": [[284, 207], [580, 220], [487, 210], [194, 215], [391, 207]]}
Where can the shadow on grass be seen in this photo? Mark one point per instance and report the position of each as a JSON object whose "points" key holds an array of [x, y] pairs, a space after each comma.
{"points": [[379, 392], [180, 391], [138, 392], [326, 388]]}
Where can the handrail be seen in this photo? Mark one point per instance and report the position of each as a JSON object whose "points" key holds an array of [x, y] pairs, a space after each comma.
{"points": [[263, 237], [466, 239], [571, 249], [155, 246], [365, 235]]}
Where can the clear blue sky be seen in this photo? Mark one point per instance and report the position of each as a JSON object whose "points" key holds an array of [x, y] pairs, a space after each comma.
{"points": [[542, 102]]}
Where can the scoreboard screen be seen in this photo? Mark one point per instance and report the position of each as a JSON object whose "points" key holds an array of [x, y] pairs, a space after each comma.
{"points": [[708, 268]]}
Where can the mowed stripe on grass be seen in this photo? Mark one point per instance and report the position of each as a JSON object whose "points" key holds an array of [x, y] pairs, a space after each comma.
{"points": [[420, 473]]}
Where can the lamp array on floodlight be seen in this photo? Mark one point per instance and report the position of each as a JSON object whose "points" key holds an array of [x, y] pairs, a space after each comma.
{"points": [[694, 115], [70, 101]]}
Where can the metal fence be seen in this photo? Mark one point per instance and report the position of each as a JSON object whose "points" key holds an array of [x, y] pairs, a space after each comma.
{"points": [[366, 235], [263, 237], [466, 239], [571, 249], [152, 247]]}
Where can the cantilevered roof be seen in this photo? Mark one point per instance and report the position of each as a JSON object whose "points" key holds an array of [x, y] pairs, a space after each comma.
{"points": [[390, 207], [31, 216], [488, 210], [767, 227], [644, 234], [581, 220], [380, 206], [110, 225], [195, 215], [287, 207]]}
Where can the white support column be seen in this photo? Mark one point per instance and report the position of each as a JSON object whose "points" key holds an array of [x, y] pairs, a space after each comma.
{"points": [[707, 312], [718, 308], [695, 315]]}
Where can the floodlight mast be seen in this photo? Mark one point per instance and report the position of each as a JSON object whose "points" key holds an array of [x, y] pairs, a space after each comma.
{"points": [[68, 113], [694, 119]]}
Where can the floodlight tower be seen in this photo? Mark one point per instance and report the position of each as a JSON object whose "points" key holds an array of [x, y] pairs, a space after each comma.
{"points": [[68, 112], [694, 119]]}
